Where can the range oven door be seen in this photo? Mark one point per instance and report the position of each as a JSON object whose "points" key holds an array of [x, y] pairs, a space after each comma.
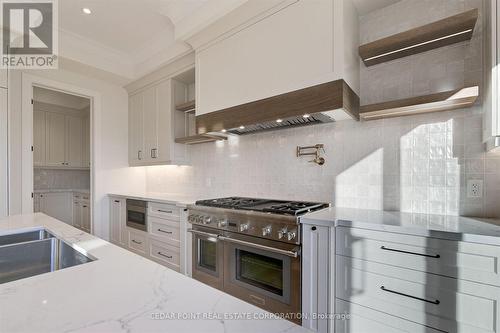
{"points": [[263, 272], [208, 254]]}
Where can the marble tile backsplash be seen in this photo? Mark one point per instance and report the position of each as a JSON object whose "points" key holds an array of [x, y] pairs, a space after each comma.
{"points": [[417, 164], [45, 179]]}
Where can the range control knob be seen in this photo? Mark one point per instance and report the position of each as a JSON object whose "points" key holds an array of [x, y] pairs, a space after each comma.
{"points": [[222, 223], [282, 233], [193, 218], [206, 219], [266, 231], [291, 235], [244, 227]]}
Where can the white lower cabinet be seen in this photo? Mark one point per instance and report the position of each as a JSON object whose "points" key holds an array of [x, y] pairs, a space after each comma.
{"points": [[164, 242], [443, 303], [69, 207], [81, 212], [117, 218], [165, 254], [137, 241], [374, 281], [56, 205], [355, 318], [315, 276]]}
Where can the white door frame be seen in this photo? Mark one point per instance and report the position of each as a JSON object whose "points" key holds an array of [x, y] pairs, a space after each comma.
{"points": [[28, 83]]}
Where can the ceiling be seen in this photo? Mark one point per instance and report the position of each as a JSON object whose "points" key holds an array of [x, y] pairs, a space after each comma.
{"points": [[367, 6], [130, 38]]}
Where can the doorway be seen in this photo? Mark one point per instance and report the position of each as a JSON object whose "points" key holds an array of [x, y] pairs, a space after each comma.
{"points": [[62, 165]]}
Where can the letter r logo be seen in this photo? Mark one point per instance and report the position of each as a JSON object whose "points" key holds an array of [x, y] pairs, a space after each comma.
{"points": [[28, 28]]}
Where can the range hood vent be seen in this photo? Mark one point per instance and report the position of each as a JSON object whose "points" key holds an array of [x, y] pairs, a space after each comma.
{"points": [[326, 102], [312, 119]]}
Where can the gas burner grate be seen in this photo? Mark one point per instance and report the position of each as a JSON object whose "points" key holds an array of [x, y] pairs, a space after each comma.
{"points": [[281, 207]]}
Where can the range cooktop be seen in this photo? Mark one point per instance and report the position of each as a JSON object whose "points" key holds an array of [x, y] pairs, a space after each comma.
{"points": [[283, 207]]}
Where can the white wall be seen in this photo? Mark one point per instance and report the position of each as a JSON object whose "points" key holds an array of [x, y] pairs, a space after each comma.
{"points": [[415, 164], [110, 140]]}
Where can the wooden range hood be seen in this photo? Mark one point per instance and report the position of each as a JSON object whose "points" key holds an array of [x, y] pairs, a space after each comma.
{"points": [[321, 103]]}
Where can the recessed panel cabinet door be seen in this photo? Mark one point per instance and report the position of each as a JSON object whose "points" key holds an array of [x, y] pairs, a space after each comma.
{"points": [[116, 217], [150, 117], [77, 214], [57, 205], [86, 217], [135, 132], [86, 142], [39, 136], [55, 138], [74, 144], [165, 122]]}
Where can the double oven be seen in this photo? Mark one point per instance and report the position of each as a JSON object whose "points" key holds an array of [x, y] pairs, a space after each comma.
{"points": [[260, 271]]}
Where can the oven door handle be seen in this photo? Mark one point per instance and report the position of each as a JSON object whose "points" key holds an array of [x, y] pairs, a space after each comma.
{"points": [[202, 233], [293, 254]]}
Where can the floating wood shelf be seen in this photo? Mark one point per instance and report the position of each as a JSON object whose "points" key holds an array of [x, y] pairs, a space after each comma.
{"points": [[444, 32], [188, 106], [200, 138], [443, 101]]}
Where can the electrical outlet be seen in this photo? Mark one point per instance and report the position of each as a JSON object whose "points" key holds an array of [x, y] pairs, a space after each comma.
{"points": [[474, 188]]}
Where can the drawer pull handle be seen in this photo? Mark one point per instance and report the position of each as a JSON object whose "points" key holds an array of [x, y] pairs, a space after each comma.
{"points": [[165, 211], [408, 252], [410, 296], [117, 201], [165, 232], [133, 240], [164, 255]]}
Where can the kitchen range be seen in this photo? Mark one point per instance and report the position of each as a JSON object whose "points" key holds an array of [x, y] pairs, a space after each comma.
{"points": [[251, 249]]}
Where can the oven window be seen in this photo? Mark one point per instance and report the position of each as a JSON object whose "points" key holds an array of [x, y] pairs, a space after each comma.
{"points": [[207, 256], [260, 271], [136, 217]]}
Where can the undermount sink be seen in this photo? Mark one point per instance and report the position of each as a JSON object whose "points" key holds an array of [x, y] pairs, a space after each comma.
{"points": [[31, 253]]}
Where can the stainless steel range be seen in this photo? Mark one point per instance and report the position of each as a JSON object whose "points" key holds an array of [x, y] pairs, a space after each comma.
{"points": [[251, 248]]}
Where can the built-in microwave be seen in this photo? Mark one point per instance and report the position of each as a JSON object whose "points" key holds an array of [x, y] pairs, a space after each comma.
{"points": [[137, 214]]}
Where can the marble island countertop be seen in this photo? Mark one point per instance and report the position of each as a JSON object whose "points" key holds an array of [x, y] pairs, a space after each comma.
{"points": [[469, 229], [119, 292]]}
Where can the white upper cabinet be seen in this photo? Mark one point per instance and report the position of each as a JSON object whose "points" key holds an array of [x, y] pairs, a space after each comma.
{"points": [[152, 125], [60, 139], [135, 129], [491, 118], [298, 45], [74, 144], [55, 139], [86, 141], [39, 138]]}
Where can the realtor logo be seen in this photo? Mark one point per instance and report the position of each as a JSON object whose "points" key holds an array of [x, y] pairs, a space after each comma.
{"points": [[29, 36]]}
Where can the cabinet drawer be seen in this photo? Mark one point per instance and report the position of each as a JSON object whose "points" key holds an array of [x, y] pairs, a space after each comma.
{"points": [[462, 260], [165, 254], [439, 302], [365, 320], [168, 231], [163, 210], [137, 241]]}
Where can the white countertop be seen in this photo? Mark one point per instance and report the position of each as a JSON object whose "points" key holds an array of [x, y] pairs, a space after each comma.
{"points": [[62, 190], [119, 292], [469, 229], [168, 198]]}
